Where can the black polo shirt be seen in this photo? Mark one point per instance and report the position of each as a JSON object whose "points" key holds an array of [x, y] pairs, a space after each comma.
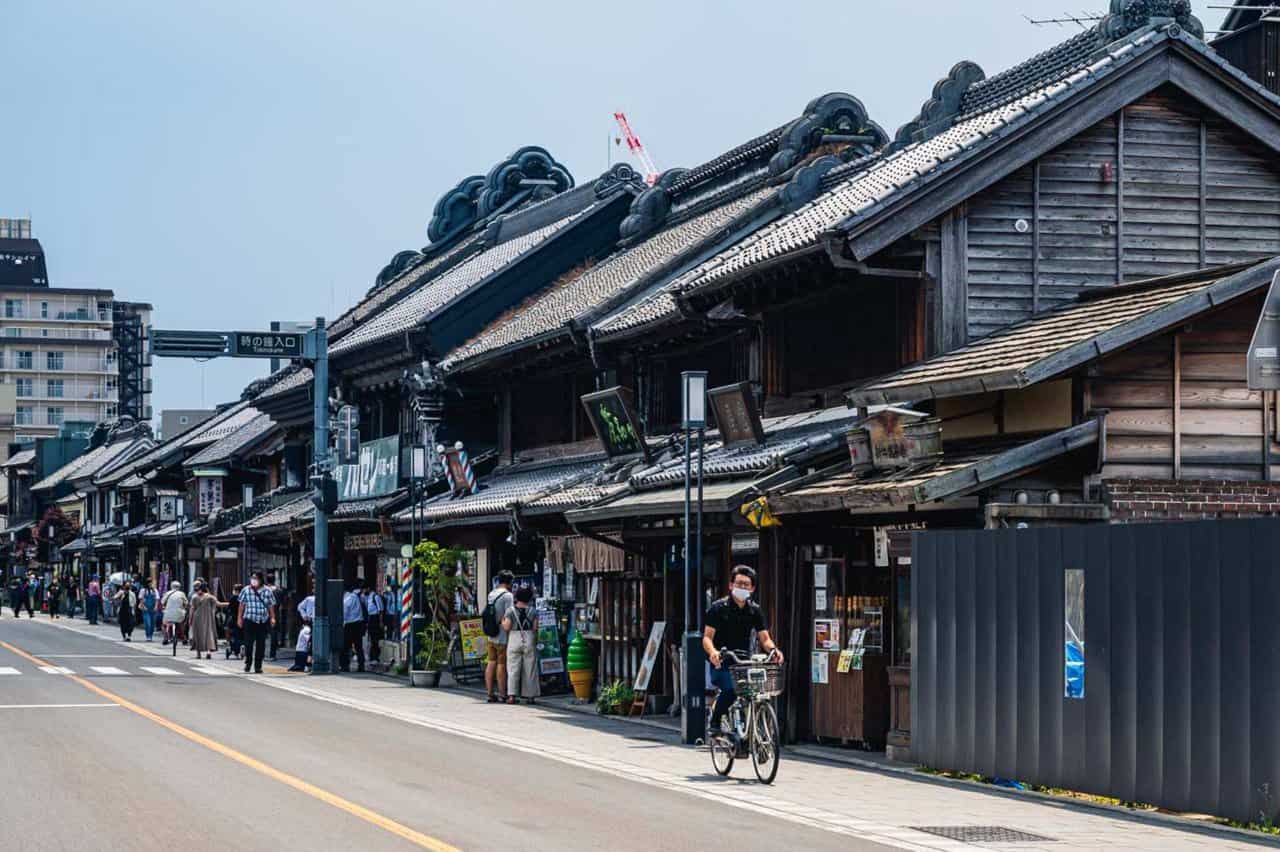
{"points": [[733, 624]]}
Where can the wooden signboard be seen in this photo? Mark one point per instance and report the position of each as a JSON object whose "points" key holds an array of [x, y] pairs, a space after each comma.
{"points": [[736, 414], [614, 423], [645, 672]]}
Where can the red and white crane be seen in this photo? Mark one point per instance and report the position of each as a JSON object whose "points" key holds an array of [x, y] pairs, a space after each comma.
{"points": [[637, 149]]}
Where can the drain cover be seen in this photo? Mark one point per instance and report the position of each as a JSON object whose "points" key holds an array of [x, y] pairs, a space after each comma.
{"points": [[982, 833]]}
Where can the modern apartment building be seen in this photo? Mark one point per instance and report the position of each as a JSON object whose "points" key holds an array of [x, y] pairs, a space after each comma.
{"points": [[68, 352]]}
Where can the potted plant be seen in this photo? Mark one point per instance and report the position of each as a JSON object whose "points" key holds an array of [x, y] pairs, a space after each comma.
{"points": [[437, 566]]}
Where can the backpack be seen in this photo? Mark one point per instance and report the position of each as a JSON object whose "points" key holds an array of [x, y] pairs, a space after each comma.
{"points": [[490, 617]]}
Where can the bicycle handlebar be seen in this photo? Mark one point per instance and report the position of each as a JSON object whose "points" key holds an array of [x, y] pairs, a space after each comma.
{"points": [[742, 658]]}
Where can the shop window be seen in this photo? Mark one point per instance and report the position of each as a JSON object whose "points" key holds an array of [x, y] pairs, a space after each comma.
{"points": [[1073, 618]]}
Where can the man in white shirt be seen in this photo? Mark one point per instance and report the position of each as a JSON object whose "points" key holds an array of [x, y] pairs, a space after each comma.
{"points": [[307, 609], [373, 606], [353, 622]]}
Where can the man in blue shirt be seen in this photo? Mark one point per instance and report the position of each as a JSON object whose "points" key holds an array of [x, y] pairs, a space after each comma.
{"points": [[257, 616], [354, 616]]}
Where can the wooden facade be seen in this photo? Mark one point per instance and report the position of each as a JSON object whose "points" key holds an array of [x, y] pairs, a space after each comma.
{"points": [[1160, 187]]}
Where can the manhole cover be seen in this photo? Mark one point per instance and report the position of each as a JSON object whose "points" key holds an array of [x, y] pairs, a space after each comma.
{"points": [[982, 833]]}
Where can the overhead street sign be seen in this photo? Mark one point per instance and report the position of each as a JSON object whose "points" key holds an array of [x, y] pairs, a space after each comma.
{"points": [[267, 344], [236, 344]]}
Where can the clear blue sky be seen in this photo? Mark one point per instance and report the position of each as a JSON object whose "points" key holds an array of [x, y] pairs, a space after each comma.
{"points": [[236, 162]]}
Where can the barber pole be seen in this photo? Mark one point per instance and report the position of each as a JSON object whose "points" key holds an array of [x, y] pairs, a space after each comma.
{"points": [[406, 601]]}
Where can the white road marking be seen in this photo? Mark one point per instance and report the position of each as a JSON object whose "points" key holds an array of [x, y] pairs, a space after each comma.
{"points": [[160, 670], [6, 670], [209, 670], [108, 670], [51, 706], [56, 670]]}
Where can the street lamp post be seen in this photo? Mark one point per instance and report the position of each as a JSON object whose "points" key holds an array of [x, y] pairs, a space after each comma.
{"points": [[694, 416]]}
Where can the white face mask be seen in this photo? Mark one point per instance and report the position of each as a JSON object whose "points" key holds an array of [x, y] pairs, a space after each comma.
{"points": [[741, 594]]}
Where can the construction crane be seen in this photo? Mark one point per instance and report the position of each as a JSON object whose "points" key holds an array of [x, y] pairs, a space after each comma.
{"points": [[637, 149]]}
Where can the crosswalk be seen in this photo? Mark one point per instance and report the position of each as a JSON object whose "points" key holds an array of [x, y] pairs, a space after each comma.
{"points": [[122, 670]]}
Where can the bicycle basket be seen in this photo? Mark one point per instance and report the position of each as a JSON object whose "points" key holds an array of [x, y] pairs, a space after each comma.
{"points": [[762, 680]]}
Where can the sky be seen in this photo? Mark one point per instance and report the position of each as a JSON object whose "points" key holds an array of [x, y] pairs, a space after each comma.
{"points": [[237, 162]]}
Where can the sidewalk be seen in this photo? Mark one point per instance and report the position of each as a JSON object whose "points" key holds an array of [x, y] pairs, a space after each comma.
{"points": [[889, 806]]}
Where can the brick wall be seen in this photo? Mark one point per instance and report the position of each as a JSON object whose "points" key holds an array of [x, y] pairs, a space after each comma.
{"points": [[1188, 499]]}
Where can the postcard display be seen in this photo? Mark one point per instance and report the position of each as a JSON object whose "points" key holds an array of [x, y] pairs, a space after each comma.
{"points": [[847, 659]]}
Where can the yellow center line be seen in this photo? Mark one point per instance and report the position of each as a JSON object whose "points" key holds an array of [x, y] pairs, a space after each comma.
{"points": [[332, 799]]}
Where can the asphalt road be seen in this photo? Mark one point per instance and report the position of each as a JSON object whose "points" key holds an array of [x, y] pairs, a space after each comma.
{"points": [[194, 761]]}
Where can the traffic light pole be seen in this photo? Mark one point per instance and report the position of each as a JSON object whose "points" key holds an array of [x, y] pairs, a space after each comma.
{"points": [[321, 643]]}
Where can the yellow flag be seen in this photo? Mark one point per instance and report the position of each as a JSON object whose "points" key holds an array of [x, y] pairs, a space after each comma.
{"points": [[758, 515]]}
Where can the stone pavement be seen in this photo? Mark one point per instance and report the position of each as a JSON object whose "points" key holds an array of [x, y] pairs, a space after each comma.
{"points": [[889, 807]]}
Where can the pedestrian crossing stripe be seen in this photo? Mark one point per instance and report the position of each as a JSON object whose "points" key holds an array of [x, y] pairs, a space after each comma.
{"points": [[209, 670], [56, 670], [160, 670], [7, 670], [108, 670]]}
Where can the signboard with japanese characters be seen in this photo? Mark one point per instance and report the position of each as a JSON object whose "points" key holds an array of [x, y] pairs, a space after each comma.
{"points": [[375, 474]]}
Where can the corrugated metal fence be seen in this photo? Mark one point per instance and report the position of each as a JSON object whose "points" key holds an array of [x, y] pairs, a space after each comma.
{"points": [[1181, 636]]}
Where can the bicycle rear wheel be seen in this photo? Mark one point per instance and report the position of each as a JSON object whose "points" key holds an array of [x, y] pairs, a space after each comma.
{"points": [[765, 742]]}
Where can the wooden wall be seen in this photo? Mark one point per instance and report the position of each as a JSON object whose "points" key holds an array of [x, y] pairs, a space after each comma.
{"points": [[1179, 406], [1156, 189]]}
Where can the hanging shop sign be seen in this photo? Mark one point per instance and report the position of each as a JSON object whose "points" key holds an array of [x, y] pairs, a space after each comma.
{"points": [[611, 416], [736, 414], [376, 473], [209, 489], [362, 541]]}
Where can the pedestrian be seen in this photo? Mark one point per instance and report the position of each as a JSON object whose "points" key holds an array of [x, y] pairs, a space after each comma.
{"points": [[126, 601], [204, 631], [373, 607], [279, 634], [235, 636], [353, 624], [17, 596], [53, 597], [173, 607], [521, 623], [149, 604], [302, 651], [33, 594], [93, 600], [495, 670], [257, 615]]}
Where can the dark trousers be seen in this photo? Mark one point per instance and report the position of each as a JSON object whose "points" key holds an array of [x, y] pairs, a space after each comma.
{"points": [[352, 634], [255, 644], [375, 637], [92, 607]]}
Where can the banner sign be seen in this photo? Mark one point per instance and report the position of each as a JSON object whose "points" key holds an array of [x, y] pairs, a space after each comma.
{"points": [[375, 474]]}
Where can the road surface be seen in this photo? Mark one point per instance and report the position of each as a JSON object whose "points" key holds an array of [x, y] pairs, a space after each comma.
{"points": [[107, 747]]}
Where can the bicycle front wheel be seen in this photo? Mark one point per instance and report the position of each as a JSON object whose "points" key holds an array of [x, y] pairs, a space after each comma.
{"points": [[765, 742], [722, 752]]}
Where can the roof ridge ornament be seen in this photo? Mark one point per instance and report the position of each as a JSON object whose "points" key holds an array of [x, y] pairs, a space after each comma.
{"points": [[531, 173], [650, 207], [1128, 16], [395, 267], [456, 210], [618, 176], [835, 116], [937, 113]]}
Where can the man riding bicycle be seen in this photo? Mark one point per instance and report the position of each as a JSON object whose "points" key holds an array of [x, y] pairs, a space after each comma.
{"points": [[729, 623]]}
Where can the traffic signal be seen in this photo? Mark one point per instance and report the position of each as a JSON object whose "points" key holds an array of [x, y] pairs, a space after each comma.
{"points": [[325, 495]]}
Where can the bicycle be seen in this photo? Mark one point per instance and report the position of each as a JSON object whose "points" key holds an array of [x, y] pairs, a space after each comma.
{"points": [[753, 721]]}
